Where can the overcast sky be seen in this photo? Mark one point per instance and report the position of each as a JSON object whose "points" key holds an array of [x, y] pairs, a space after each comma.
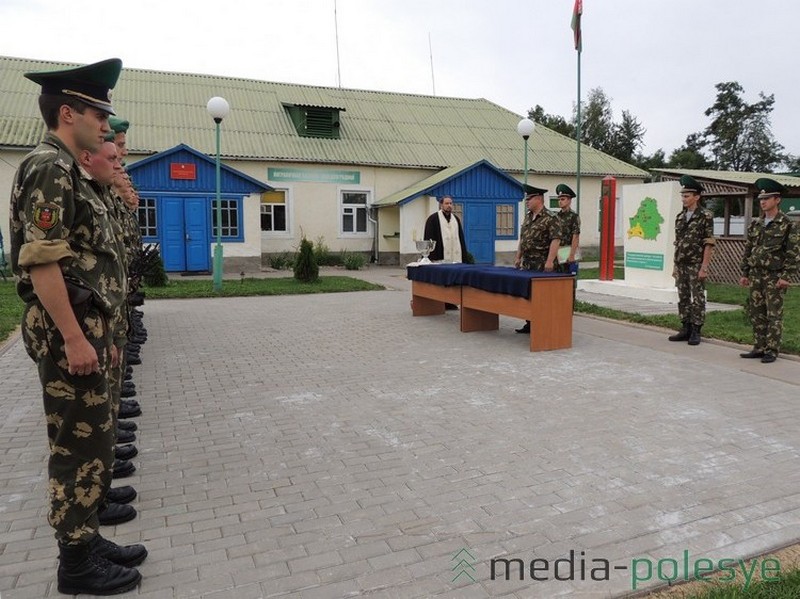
{"points": [[659, 59]]}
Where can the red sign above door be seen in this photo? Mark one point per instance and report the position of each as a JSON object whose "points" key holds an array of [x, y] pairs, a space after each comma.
{"points": [[183, 170]]}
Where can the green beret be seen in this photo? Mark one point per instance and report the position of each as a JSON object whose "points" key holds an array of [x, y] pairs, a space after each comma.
{"points": [[768, 188], [110, 136], [564, 190], [690, 185], [118, 125], [91, 83]]}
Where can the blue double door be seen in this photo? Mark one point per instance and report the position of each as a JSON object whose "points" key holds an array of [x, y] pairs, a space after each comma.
{"points": [[479, 230], [185, 234]]}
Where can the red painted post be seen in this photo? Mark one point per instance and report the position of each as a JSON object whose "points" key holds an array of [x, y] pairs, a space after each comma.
{"points": [[608, 211]]}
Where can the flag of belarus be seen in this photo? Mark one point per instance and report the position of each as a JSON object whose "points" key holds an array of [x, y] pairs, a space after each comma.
{"points": [[576, 24]]}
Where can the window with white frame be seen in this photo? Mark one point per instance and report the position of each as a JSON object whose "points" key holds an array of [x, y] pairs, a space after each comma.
{"points": [[354, 219], [229, 212], [274, 213], [148, 224]]}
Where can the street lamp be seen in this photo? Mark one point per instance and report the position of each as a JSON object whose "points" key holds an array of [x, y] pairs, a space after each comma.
{"points": [[525, 128], [218, 108]]}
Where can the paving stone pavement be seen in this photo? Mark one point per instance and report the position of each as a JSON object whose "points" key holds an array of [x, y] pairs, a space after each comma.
{"points": [[334, 446]]}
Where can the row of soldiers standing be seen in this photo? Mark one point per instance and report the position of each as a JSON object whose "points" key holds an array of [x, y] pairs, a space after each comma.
{"points": [[770, 259], [74, 236]]}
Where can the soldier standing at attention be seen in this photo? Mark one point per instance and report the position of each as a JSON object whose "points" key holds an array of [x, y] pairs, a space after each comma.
{"points": [[570, 230], [64, 269], [538, 240], [770, 259], [694, 243]]}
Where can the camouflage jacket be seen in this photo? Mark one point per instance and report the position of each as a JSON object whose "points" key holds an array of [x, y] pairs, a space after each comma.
{"points": [[131, 233], [53, 221], [119, 322], [535, 238], [570, 225], [691, 236], [772, 247]]}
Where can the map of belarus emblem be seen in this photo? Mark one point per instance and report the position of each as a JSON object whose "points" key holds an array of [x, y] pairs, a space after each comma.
{"points": [[647, 221]]}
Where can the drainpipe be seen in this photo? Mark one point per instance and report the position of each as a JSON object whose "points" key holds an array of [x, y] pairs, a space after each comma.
{"points": [[375, 237]]}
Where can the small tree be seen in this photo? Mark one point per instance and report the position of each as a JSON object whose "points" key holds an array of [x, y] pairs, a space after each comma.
{"points": [[155, 276], [306, 268]]}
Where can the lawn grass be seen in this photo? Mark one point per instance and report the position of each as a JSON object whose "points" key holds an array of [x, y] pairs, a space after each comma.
{"points": [[10, 309], [787, 586], [11, 306], [728, 326], [182, 289]]}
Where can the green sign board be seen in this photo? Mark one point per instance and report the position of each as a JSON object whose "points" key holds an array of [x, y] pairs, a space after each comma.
{"points": [[313, 175], [644, 261]]}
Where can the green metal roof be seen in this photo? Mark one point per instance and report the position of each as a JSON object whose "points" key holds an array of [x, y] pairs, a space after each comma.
{"points": [[742, 178], [377, 128]]}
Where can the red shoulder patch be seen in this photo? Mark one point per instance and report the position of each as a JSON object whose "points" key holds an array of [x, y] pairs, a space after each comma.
{"points": [[45, 216]]}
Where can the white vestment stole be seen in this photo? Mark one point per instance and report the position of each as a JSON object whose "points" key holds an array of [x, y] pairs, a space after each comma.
{"points": [[450, 242]]}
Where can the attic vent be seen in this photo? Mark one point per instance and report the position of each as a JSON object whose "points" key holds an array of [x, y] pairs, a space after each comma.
{"points": [[315, 121]]}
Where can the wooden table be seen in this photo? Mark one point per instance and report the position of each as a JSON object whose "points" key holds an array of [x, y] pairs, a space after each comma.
{"points": [[548, 305]]}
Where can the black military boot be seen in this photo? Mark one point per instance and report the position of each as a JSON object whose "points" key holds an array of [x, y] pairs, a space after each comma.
{"points": [[124, 494], [694, 334], [122, 468], [122, 555], [115, 513], [683, 334], [80, 570], [125, 452]]}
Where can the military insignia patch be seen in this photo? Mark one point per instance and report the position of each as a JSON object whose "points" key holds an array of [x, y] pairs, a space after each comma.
{"points": [[46, 216]]}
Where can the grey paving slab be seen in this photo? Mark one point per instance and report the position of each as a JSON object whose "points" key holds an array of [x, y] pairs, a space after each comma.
{"points": [[335, 446]]}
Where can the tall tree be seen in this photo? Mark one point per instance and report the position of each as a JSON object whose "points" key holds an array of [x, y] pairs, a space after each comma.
{"points": [[552, 121], [690, 154], [627, 137], [739, 136], [598, 121]]}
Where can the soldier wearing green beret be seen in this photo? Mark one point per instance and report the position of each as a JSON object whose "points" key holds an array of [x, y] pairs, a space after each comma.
{"points": [[694, 244], [65, 275], [770, 259]]}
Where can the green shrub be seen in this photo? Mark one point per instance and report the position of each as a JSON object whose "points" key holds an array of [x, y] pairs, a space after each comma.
{"points": [[155, 275], [353, 261], [306, 268], [283, 261]]}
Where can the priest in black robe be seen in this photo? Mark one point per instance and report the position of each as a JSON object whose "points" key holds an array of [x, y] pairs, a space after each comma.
{"points": [[445, 229]]}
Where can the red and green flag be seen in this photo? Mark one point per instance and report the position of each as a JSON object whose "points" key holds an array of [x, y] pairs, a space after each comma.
{"points": [[576, 24]]}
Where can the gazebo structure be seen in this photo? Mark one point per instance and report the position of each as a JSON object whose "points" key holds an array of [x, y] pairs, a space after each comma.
{"points": [[739, 194]]}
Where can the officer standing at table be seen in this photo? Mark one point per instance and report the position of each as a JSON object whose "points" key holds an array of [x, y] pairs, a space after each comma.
{"points": [[538, 240]]}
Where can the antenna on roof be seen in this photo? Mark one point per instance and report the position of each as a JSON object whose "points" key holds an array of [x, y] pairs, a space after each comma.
{"points": [[336, 26], [430, 49]]}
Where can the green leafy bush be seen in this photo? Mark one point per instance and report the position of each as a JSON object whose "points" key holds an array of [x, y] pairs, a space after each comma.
{"points": [[306, 268], [353, 261], [155, 275]]}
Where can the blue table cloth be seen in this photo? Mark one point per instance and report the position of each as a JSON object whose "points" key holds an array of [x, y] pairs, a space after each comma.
{"points": [[495, 279]]}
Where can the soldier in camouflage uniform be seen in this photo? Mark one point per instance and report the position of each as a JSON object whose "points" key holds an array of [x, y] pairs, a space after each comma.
{"points": [[770, 259], [99, 170], [538, 240], [694, 244], [570, 235], [68, 276]]}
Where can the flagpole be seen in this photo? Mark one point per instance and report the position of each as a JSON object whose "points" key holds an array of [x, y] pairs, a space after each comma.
{"points": [[578, 137]]}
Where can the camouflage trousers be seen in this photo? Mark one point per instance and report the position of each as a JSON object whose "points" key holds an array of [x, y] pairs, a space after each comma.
{"points": [[80, 425], [691, 294], [765, 309]]}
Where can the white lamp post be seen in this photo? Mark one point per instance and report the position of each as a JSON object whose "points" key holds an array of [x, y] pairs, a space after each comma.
{"points": [[525, 128], [218, 108]]}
